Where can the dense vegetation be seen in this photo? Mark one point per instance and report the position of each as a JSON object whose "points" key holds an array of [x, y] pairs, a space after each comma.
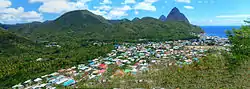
{"points": [[241, 47], [13, 45]]}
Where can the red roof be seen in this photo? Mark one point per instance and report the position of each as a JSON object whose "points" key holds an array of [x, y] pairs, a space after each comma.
{"points": [[104, 66]]}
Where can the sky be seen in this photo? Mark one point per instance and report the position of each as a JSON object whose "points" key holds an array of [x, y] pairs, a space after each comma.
{"points": [[199, 12]]}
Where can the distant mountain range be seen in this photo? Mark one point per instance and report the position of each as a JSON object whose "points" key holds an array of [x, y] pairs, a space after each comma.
{"points": [[86, 25]]}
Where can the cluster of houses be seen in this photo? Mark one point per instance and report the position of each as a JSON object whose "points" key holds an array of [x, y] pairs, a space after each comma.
{"points": [[213, 40], [52, 44], [130, 58]]}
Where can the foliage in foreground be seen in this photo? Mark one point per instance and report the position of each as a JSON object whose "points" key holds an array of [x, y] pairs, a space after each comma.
{"points": [[240, 39]]}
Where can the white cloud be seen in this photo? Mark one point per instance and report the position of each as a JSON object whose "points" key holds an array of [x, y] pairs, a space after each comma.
{"points": [[146, 5], [99, 12], [117, 13], [60, 6], [234, 16], [183, 1], [106, 2], [109, 12], [5, 3], [200, 1], [103, 7], [102, 10], [189, 7], [129, 2], [205, 2], [219, 22], [10, 15], [136, 12]]}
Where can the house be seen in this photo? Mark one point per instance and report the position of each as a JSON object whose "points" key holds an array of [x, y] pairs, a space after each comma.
{"points": [[43, 85], [38, 80], [39, 59], [19, 86], [45, 76], [69, 82], [54, 74], [60, 79], [103, 66], [27, 83]]}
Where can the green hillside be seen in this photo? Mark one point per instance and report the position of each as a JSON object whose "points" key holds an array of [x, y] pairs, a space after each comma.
{"points": [[82, 24], [11, 44], [154, 29]]}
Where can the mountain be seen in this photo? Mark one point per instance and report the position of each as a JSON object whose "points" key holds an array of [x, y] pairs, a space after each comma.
{"points": [[176, 15], [83, 24], [79, 17], [163, 18]]}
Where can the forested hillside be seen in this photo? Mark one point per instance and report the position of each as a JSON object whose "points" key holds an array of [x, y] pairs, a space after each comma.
{"points": [[13, 45], [82, 24]]}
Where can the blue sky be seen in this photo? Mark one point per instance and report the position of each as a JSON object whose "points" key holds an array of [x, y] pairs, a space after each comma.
{"points": [[199, 12]]}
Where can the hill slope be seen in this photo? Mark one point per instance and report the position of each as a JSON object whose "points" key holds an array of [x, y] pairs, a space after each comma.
{"points": [[82, 24], [11, 44], [80, 17], [154, 29]]}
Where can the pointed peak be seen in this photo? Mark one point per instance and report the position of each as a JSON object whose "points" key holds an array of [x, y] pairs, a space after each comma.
{"points": [[175, 9], [176, 15]]}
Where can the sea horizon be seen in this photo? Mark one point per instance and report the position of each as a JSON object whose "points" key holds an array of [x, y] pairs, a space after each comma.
{"points": [[218, 30]]}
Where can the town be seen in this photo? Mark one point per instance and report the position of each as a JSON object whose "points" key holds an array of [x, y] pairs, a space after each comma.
{"points": [[131, 59]]}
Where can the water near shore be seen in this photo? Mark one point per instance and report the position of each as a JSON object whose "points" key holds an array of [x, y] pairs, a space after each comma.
{"points": [[218, 30]]}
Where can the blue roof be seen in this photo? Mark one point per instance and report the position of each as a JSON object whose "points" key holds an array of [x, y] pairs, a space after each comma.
{"points": [[69, 82], [91, 63]]}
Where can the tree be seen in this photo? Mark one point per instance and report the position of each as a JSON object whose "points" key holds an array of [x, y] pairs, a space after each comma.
{"points": [[240, 39]]}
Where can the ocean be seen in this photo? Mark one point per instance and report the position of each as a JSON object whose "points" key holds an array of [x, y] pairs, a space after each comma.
{"points": [[218, 30]]}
